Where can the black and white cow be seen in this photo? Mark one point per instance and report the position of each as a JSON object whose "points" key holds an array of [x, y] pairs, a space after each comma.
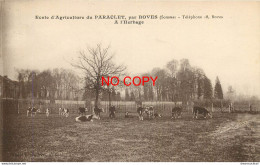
{"points": [[64, 112], [201, 110], [84, 118], [82, 111], [97, 112], [32, 111], [176, 112], [149, 111], [112, 111], [140, 111], [47, 112], [60, 111]]}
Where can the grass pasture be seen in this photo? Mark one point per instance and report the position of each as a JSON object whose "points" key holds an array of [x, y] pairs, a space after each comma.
{"points": [[225, 137]]}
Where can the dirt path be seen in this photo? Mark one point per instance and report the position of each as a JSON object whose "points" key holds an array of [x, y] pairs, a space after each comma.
{"points": [[240, 138], [232, 127]]}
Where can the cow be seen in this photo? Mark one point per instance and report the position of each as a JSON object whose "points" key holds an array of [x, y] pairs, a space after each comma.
{"points": [[97, 112], [201, 110], [149, 111], [127, 115], [176, 112], [60, 111], [32, 111], [140, 111], [112, 111], [47, 112], [84, 118], [82, 111], [64, 112], [157, 115]]}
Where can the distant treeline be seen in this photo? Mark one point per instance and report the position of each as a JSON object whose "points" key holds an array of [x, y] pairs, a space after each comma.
{"points": [[49, 84], [178, 81]]}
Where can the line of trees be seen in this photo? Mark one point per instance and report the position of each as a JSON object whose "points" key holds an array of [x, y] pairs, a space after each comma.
{"points": [[178, 81], [49, 84]]}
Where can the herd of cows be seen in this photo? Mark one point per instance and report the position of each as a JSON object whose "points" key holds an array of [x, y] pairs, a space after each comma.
{"points": [[141, 111]]}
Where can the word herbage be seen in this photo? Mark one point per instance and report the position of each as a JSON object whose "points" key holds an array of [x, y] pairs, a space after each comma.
{"points": [[127, 80]]}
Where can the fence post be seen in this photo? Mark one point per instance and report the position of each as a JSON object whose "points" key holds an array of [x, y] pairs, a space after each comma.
{"points": [[221, 106], [18, 107]]}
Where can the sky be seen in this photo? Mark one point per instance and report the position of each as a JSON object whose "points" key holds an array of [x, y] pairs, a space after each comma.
{"points": [[228, 48]]}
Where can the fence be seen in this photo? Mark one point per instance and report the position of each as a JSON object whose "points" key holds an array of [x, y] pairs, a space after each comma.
{"points": [[245, 107], [15, 106], [131, 106]]}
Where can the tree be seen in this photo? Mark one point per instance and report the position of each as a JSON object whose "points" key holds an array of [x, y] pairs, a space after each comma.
{"points": [[231, 93], [186, 78], [161, 83], [127, 96], [150, 93], [118, 96], [199, 83], [96, 63], [172, 67], [45, 82], [28, 82], [21, 85], [132, 98], [218, 93], [207, 88], [146, 88], [113, 94]]}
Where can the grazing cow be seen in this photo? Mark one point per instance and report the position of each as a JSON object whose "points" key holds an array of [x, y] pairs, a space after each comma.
{"points": [[66, 112], [112, 111], [60, 111], [97, 112], [47, 112], [84, 118], [176, 112], [32, 111], [149, 111], [201, 110], [128, 116], [140, 111], [82, 111]]}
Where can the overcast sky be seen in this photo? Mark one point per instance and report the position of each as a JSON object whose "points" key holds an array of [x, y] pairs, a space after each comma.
{"points": [[228, 47]]}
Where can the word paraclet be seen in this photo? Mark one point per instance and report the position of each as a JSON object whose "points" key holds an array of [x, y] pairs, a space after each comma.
{"points": [[137, 81]]}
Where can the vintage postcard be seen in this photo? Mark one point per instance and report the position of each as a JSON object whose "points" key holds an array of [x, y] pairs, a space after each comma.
{"points": [[129, 81]]}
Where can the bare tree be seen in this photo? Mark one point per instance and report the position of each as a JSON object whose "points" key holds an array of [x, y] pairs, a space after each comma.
{"points": [[172, 68], [96, 62]]}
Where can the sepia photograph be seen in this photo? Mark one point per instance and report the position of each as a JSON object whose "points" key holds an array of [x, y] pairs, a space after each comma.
{"points": [[129, 81]]}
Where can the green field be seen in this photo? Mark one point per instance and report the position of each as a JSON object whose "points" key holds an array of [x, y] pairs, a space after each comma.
{"points": [[225, 137]]}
